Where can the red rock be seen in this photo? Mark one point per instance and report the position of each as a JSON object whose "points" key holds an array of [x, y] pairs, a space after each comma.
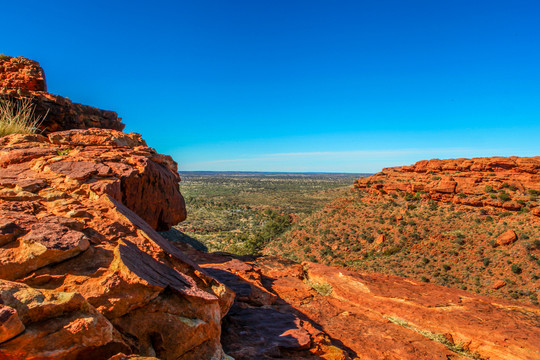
{"points": [[10, 324], [267, 331], [57, 325], [21, 78], [20, 73], [507, 237], [498, 284], [511, 205], [65, 227]]}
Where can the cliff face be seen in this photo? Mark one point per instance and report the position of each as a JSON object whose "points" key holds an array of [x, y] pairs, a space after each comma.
{"points": [[73, 207], [479, 182], [21, 78]]}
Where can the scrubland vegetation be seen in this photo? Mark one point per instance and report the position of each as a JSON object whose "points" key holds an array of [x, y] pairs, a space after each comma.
{"points": [[240, 212], [442, 243]]}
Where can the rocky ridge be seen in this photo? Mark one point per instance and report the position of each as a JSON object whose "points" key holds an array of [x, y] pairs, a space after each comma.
{"points": [[506, 183], [21, 78], [472, 224]]}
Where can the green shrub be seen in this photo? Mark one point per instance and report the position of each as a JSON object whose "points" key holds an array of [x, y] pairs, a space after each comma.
{"points": [[504, 196], [488, 188], [516, 269]]}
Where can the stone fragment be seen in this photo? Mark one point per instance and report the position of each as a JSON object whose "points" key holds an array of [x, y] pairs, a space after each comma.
{"points": [[10, 324]]}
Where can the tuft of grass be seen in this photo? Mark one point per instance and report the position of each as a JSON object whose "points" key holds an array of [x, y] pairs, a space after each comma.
{"points": [[4, 57], [18, 117], [459, 348], [324, 289]]}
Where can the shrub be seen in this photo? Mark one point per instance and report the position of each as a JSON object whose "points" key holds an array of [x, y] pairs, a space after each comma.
{"points": [[504, 196], [488, 188], [516, 269], [18, 117]]}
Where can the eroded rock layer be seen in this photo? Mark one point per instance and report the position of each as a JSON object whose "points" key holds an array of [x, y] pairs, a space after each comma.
{"points": [[21, 78], [500, 182], [83, 273]]}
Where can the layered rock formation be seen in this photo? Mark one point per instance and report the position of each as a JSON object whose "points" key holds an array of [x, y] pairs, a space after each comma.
{"points": [[21, 78], [84, 273], [496, 182]]}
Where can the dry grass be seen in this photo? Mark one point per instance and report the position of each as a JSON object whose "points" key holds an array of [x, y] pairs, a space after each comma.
{"points": [[18, 117]]}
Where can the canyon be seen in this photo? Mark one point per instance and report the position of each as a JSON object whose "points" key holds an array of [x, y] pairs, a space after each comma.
{"points": [[91, 268]]}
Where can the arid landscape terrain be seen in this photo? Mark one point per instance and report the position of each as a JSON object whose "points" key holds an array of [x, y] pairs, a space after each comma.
{"points": [[242, 212], [105, 254]]}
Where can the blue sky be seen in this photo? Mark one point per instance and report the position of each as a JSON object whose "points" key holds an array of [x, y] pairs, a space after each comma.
{"points": [[337, 86]]}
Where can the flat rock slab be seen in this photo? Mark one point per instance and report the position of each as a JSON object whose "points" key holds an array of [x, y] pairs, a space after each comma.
{"points": [[262, 332]]}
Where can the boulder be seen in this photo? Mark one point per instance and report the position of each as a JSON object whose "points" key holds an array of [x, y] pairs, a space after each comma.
{"points": [[507, 237]]}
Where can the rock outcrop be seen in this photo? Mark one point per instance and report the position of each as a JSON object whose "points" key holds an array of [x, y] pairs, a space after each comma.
{"points": [[21, 78], [498, 182], [286, 310], [81, 263]]}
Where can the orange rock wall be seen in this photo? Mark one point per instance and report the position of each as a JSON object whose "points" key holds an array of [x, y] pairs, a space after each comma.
{"points": [[21, 78]]}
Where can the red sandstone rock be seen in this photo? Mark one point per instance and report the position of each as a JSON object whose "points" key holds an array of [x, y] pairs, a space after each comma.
{"points": [[21, 78], [370, 316], [112, 284], [10, 324], [20, 73], [507, 237], [469, 180], [498, 284]]}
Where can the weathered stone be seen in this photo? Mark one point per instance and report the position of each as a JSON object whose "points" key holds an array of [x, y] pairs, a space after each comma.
{"points": [[507, 237]]}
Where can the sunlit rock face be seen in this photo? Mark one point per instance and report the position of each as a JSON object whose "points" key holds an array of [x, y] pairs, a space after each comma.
{"points": [[83, 272], [21, 78]]}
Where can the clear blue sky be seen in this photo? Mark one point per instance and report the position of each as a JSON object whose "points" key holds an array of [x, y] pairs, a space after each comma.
{"points": [[344, 86]]}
